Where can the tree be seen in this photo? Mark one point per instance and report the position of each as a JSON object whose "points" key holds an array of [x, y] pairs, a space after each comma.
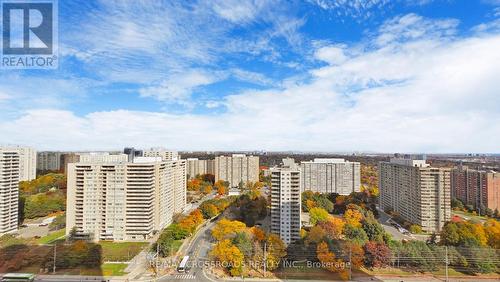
{"points": [[357, 255], [315, 235], [228, 254], [258, 233], [326, 257], [318, 214], [374, 230], [416, 229], [377, 254], [355, 234], [333, 227], [208, 210], [244, 243], [492, 230], [353, 217], [276, 251], [225, 229]]}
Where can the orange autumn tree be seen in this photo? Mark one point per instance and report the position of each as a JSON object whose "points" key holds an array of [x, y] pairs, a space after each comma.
{"points": [[258, 233], [333, 227], [329, 261], [190, 222]]}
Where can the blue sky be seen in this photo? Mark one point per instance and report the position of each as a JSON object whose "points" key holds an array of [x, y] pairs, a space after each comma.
{"points": [[312, 75]]}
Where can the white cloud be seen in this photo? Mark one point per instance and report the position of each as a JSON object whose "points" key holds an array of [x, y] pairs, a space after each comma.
{"points": [[178, 87], [331, 54]]}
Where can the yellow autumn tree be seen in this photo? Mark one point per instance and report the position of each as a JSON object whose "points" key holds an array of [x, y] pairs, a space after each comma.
{"points": [[353, 217], [492, 230], [227, 228], [229, 255]]}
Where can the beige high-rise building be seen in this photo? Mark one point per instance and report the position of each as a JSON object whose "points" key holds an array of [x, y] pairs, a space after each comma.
{"points": [[199, 167], [124, 201], [286, 203], [166, 155], [49, 161], [27, 162], [330, 176], [9, 189], [416, 191], [237, 169], [103, 158]]}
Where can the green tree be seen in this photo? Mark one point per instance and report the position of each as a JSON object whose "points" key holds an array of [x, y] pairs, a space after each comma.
{"points": [[355, 234], [318, 214]]}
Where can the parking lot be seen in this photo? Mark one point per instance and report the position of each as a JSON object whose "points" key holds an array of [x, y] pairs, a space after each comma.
{"points": [[33, 229]]}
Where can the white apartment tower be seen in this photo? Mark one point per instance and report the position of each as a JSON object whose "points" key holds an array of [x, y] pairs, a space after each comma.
{"points": [[285, 203], [124, 201], [166, 155], [418, 192], [27, 162], [9, 189], [330, 176], [237, 169]]}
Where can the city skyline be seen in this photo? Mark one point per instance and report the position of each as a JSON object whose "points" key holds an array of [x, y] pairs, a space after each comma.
{"points": [[410, 76]]}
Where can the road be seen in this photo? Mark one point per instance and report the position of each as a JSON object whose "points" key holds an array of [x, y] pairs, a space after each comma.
{"points": [[198, 255], [384, 221]]}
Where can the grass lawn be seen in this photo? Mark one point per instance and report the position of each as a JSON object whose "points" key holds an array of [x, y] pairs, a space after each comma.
{"points": [[9, 240], [121, 251], [51, 237], [176, 245], [114, 269]]}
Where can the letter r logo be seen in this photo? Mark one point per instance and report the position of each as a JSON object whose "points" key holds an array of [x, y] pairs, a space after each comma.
{"points": [[27, 28]]}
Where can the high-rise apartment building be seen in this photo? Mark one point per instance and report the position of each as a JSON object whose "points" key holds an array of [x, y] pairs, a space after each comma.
{"points": [[9, 189], [123, 201], [68, 158], [330, 176], [416, 191], [27, 162], [199, 167], [49, 161], [103, 158], [237, 169], [286, 202], [478, 188], [166, 155]]}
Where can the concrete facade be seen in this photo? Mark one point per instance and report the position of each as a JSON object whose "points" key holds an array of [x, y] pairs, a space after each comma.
{"points": [[237, 169], [475, 187], [49, 161], [199, 167], [166, 155], [124, 201], [331, 176], [416, 191], [9, 189], [286, 203]]}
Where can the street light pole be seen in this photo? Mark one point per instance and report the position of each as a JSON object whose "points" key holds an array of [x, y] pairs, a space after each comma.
{"points": [[55, 254]]}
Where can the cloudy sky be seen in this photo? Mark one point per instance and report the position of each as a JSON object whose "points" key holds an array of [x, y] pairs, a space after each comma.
{"points": [[312, 75]]}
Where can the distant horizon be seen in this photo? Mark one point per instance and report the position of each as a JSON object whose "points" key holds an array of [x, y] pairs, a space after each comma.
{"points": [[114, 150]]}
